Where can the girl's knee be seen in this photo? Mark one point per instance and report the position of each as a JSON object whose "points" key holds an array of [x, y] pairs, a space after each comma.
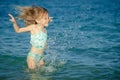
{"points": [[31, 67], [41, 62]]}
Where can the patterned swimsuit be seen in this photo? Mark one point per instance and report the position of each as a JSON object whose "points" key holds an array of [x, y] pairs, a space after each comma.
{"points": [[38, 41]]}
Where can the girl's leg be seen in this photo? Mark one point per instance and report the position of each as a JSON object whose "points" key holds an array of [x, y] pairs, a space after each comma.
{"points": [[41, 62], [31, 63]]}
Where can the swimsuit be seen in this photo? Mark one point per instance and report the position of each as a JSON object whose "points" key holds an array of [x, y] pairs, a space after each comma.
{"points": [[38, 41], [37, 57]]}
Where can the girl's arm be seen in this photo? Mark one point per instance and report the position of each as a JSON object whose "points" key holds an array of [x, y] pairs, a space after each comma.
{"points": [[16, 27]]}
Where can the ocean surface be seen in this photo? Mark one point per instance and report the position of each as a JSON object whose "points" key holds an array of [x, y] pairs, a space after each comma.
{"points": [[83, 41]]}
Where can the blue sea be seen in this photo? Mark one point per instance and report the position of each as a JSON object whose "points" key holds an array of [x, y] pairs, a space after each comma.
{"points": [[83, 41]]}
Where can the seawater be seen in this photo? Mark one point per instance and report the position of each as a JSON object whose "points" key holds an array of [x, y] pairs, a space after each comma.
{"points": [[83, 41]]}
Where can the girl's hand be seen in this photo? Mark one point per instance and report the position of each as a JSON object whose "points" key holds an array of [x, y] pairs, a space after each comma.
{"points": [[50, 19], [12, 18]]}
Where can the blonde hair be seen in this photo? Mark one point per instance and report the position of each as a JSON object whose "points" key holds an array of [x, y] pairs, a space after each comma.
{"points": [[30, 14]]}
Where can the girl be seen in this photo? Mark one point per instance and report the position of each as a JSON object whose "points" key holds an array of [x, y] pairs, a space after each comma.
{"points": [[36, 19]]}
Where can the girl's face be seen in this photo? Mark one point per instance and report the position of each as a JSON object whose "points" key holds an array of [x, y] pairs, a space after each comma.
{"points": [[44, 20]]}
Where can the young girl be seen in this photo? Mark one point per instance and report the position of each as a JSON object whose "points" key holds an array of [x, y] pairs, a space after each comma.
{"points": [[36, 19]]}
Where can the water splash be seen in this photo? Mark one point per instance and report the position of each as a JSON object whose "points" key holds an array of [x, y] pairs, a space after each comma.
{"points": [[53, 63]]}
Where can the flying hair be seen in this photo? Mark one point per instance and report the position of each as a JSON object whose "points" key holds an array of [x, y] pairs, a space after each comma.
{"points": [[30, 14]]}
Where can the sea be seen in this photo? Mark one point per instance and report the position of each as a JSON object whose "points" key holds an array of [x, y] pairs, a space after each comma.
{"points": [[83, 41]]}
